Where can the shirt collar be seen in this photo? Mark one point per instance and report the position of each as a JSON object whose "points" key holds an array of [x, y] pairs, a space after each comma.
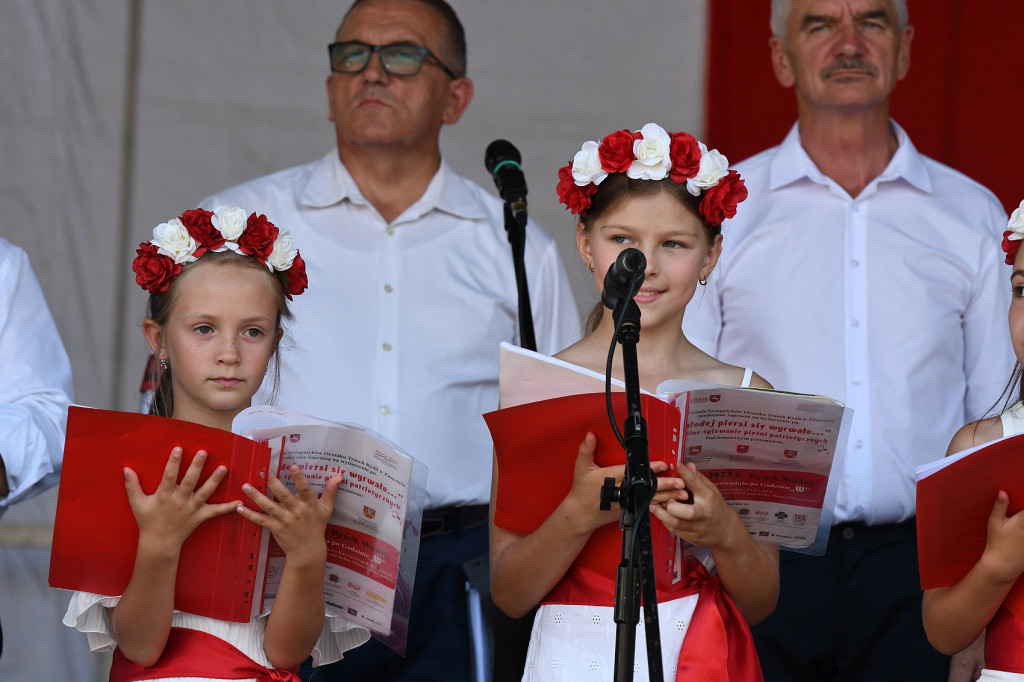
{"points": [[330, 183], [791, 163]]}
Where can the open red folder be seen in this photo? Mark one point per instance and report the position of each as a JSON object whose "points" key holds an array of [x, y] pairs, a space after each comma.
{"points": [[954, 499], [536, 445], [95, 534]]}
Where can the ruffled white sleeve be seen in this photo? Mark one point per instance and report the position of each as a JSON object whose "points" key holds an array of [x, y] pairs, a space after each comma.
{"points": [[88, 613], [338, 636]]}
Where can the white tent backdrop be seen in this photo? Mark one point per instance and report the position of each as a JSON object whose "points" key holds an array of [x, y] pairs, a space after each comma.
{"points": [[116, 116]]}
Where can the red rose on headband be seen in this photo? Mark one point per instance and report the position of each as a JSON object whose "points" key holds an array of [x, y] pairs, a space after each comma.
{"points": [[616, 151], [257, 239], [575, 198], [1010, 247], [719, 202], [153, 270], [295, 281], [200, 227], [685, 154]]}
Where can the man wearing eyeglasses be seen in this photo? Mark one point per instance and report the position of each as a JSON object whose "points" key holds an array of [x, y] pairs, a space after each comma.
{"points": [[412, 287]]}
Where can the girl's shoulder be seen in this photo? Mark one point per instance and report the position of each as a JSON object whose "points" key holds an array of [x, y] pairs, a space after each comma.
{"points": [[714, 371], [976, 433]]}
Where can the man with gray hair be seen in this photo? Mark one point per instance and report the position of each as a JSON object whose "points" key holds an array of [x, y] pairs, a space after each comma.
{"points": [[859, 269]]}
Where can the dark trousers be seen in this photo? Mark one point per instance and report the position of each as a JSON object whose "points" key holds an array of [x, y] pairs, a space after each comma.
{"points": [[853, 614], [439, 640]]}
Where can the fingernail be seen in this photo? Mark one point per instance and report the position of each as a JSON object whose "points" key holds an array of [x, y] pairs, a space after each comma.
{"points": [[239, 508], [125, 472], [246, 488]]}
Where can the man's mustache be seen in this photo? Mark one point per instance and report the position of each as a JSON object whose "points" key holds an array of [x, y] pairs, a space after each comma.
{"points": [[846, 63]]}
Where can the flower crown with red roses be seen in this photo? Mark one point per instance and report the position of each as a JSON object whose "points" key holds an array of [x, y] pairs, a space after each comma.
{"points": [[226, 228], [1014, 234], [653, 154]]}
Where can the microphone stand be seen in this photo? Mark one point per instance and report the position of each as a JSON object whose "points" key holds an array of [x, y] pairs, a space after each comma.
{"points": [[517, 239], [635, 574]]}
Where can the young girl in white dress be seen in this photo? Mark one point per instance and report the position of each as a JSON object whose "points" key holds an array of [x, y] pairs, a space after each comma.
{"points": [[666, 195], [955, 617], [219, 283]]}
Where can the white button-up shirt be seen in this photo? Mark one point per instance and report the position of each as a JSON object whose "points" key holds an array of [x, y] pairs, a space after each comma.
{"points": [[35, 381], [400, 327], [893, 301]]}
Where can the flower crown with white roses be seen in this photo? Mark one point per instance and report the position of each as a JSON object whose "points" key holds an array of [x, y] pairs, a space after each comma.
{"points": [[653, 154], [1014, 234], [226, 228]]}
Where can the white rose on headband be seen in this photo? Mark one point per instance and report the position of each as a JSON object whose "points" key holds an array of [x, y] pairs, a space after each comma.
{"points": [[231, 221], [173, 240], [586, 165], [713, 167], [652, 152], [281, 257], [1016, 224]]}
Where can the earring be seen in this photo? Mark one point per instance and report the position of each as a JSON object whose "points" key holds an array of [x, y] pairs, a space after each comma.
{"points": [[591, 266], [702, 280], [163, 364]]}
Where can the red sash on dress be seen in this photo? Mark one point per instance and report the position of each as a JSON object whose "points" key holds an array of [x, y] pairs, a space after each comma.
{"points": [[1004, 642], [192, 653], [718, 644]]}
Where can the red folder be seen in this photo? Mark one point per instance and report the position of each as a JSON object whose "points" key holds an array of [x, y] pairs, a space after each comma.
{"points": [[95, 534], [536, 445], [953, 506]]}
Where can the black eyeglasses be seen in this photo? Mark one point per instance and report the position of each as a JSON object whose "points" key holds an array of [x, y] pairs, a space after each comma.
{"points": [[398, 59]]}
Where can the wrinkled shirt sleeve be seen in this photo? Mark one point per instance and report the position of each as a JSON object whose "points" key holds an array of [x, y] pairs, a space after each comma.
{"points": [[35, 381]]}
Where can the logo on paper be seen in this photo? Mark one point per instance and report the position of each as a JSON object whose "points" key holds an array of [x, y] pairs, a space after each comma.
{"points": [[743, 511], [369, 512], [352, 611], [742, 449], [694, 450], [294, 437], [715, 397], [386, 458], [789, 453], [800, 518], [333, 577], [781, 515]]}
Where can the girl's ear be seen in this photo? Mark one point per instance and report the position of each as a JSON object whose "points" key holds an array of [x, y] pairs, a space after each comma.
{"points": [[154, 334], [583, 245], [711, 260]]}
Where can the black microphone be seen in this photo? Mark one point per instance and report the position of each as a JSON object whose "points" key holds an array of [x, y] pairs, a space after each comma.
{"points": [[624, 277], [503, 162]]}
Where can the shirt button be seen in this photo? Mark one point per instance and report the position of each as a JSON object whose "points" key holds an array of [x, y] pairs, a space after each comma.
{"points": [[856, 208], [390, 231], [859, 443], [386, 346], [855, 264], [384, 409], [854, 323], [388, 288], [847, 533]]}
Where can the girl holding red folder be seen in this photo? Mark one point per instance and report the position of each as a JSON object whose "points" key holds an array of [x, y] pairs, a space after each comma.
{"points": [[666, 195], [219, 284], [955, 617]]}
